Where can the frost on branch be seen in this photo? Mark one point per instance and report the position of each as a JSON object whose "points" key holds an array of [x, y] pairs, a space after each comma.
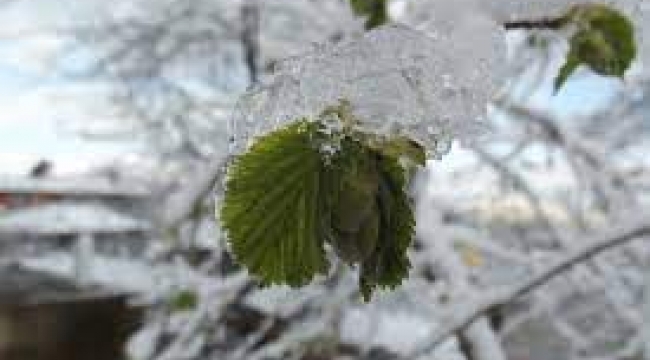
{"points": [[509, 10], [398, 81]]}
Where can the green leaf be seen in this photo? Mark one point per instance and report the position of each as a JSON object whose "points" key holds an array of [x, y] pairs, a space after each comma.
{"points": [[604, 41], [184, 300], [273, 207], [353, 180], [409, 153], [571, 64], [306, 185], [375, 10], [389, 263], [372, 216]]}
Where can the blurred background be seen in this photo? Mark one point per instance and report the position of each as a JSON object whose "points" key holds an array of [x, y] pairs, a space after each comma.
{"points": [[114, 130]]}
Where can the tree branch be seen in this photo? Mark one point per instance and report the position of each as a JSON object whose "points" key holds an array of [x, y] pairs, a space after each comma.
{"points": [[465, 314], [250, 18], [552, 24], [180, 206]]}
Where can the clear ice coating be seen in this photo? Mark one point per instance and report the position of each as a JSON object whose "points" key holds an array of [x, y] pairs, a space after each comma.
{"points": [[398, 80], [508, 10]]}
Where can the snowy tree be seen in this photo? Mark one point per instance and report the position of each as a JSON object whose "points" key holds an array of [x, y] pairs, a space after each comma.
{"points": [[443, 71]]}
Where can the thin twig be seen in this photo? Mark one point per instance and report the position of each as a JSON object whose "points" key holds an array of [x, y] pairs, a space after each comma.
{"points": [[552, 24]]}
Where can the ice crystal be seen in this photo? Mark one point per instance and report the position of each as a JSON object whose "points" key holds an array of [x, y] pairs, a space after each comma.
{"points": [[398, 80]]}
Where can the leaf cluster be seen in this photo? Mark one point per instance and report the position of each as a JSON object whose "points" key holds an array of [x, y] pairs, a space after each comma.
{"points": [[307, 186], [603, 40]]}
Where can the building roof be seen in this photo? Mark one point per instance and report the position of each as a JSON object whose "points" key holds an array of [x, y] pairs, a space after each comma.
{"points": [[20, 285], [17, 284], [69, 218], [88, 186]]}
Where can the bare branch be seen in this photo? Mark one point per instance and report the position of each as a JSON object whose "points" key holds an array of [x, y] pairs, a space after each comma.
{"points": [[468, 313], [180, 206], [522, 185]]}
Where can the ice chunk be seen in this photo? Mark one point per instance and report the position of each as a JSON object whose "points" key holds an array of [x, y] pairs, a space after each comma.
{"points": [[398, 80]]}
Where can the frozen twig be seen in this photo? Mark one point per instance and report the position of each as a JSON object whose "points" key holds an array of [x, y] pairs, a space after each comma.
{"points": [[478, 341], [465, 314], [181, 205]]}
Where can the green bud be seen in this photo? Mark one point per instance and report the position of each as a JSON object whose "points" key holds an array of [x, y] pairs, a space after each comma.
{"points": [[355, 247], [355, 201], [604, 41]]}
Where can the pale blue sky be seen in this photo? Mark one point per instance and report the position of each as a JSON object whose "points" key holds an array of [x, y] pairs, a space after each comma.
{"points": [[35, 97]]}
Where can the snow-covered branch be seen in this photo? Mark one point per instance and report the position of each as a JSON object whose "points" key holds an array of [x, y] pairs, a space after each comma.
{"points": [[465, 314]]}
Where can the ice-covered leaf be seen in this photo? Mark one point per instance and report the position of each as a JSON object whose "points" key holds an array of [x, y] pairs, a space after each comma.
{"points": [[375, 11], [353, 182], [272, 209], [604, 41], [317, 182], [372, 215], [388, 265], [403, 148]]}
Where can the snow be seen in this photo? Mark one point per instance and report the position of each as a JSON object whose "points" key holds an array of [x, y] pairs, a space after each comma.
{"points": [[152, 281], [71, 186], [23, 285], [69, 218], [19, 284], [399, 331], [392, 78]]}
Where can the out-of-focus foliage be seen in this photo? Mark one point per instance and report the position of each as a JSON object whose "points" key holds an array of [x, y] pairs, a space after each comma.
{"points": [[375, 11], [184, 300], [604, 41]]}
